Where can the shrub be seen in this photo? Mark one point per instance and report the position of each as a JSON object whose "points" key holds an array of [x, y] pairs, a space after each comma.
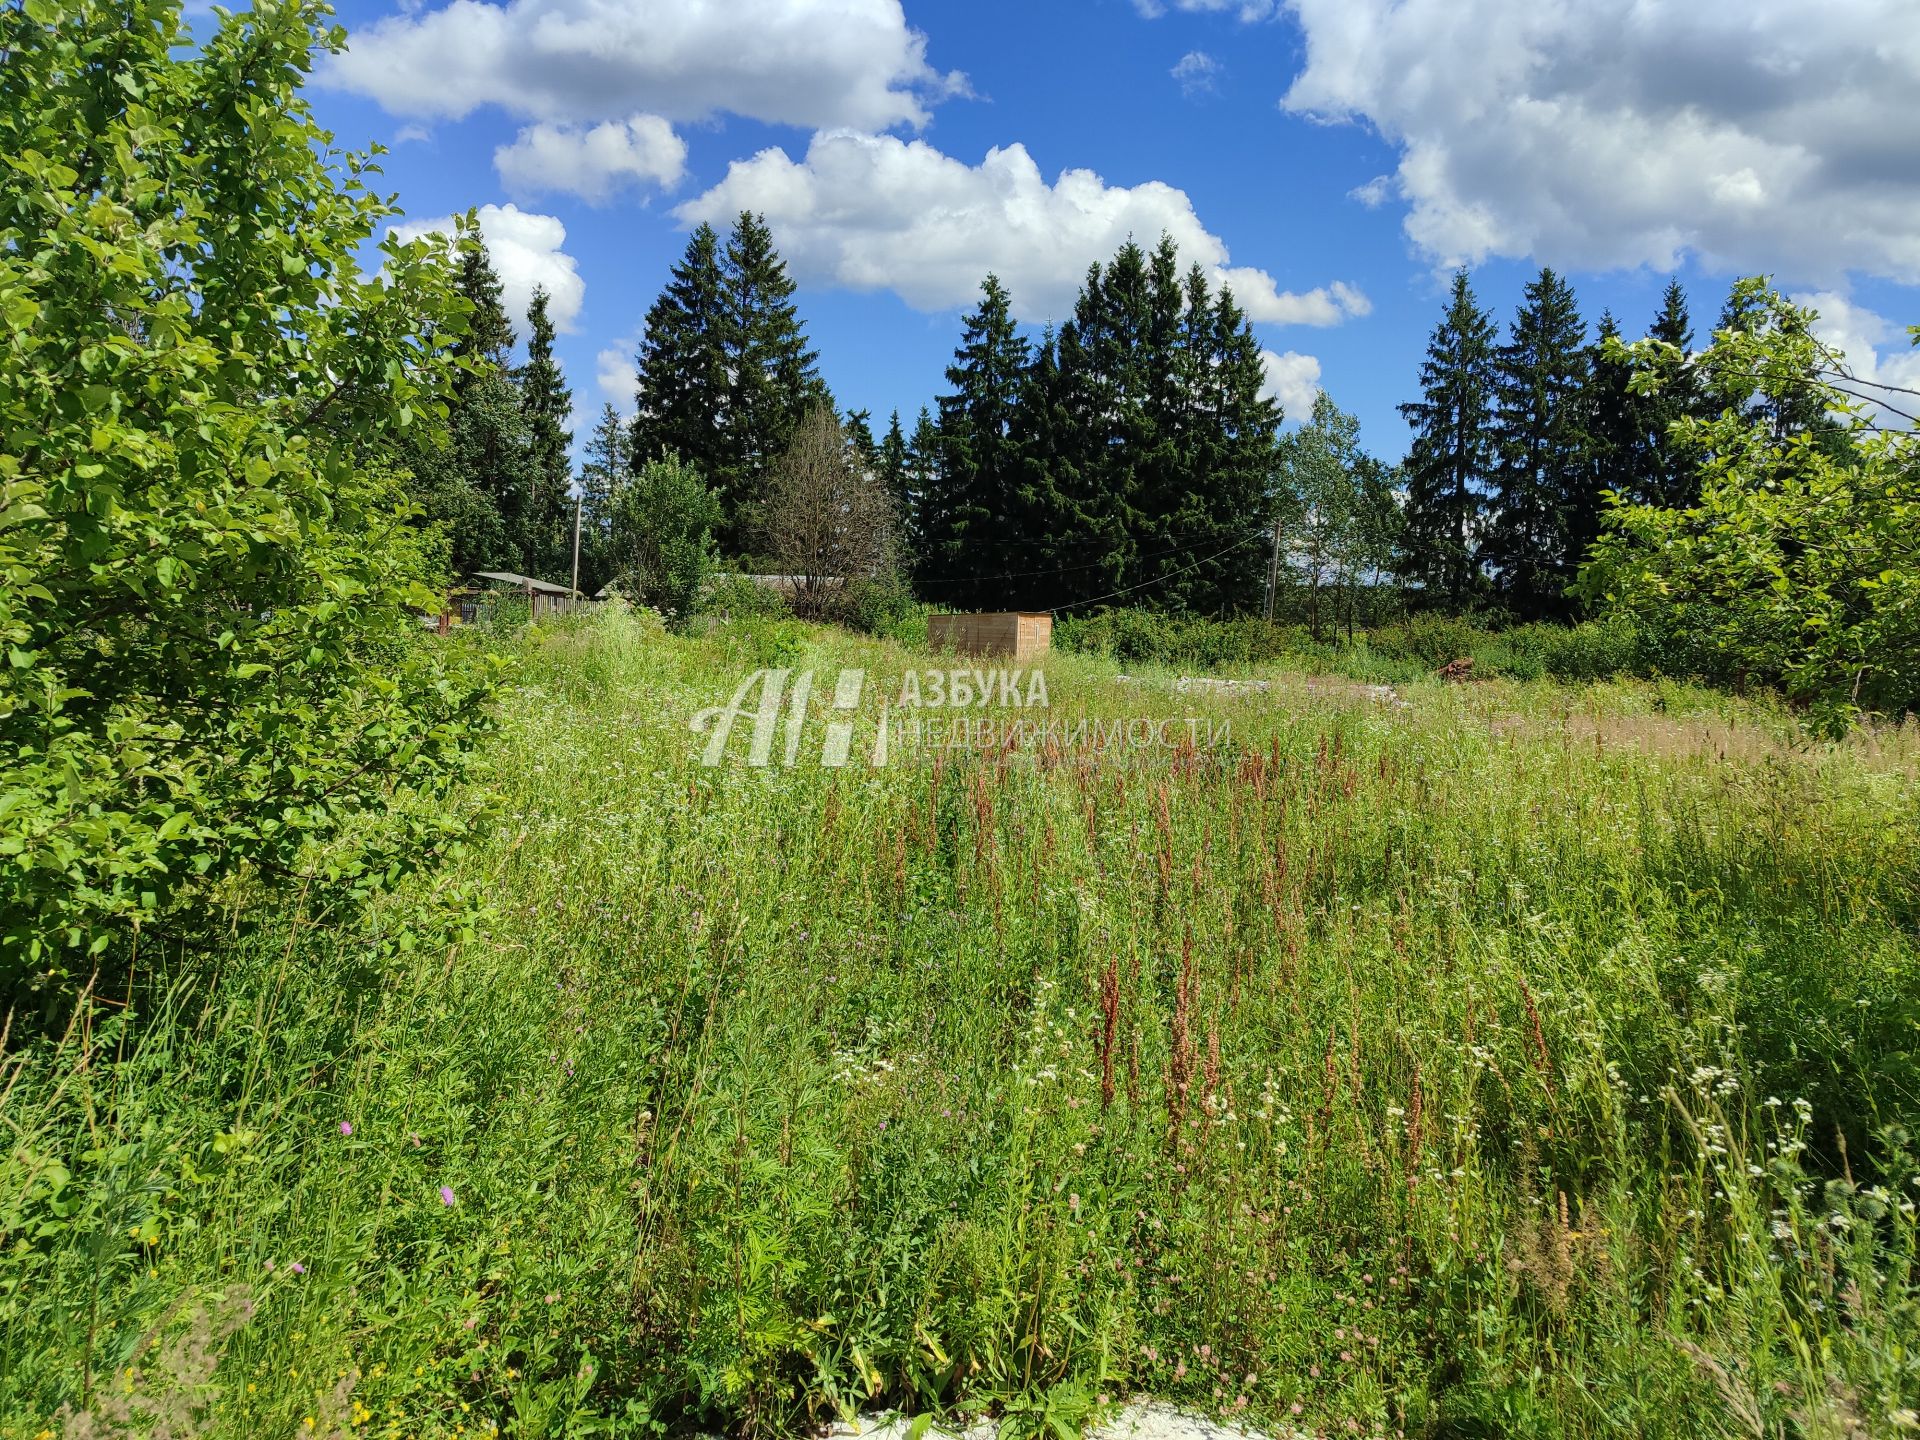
{"points": [[209, 569], [663, 524]]}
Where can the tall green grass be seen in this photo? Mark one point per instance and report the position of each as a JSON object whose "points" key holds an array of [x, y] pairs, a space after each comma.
{"points": [[1528, 1060]]}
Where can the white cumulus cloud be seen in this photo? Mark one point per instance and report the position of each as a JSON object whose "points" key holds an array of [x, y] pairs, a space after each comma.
{"points": [[592, 162], [1875, 350], [874, 212], [1614, 133], [525, 249], [1293, 379], [617, 375], [794, 62]]}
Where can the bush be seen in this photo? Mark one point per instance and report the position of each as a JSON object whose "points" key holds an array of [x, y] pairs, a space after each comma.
{"points": [[211, 584], [740, 597], [663, 524]]}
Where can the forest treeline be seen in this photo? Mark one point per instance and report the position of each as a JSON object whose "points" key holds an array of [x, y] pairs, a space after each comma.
{"points": [[1130, 453]]}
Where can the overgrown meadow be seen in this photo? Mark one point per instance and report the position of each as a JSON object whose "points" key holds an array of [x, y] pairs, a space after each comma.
{"points": [[1485, 1059]]}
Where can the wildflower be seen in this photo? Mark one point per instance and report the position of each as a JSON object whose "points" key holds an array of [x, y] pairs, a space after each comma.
{"points": [[346, 1128], [446, 1195], [472, 1320], [552, 1297], [268, 1267], [297, 1268]]}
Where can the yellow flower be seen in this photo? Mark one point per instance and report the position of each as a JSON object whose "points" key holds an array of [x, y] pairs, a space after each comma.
{"points": [[309, 1422]]}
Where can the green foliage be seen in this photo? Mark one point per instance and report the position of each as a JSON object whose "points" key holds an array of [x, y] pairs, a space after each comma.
{"points": [[725, 375], [1800, 564], [475, 476], [602, 473], [664, 519], [1344, 521], [971, 523], [1547, 497], [761, 1096], [546, 529], [211, 664], [1453, 454]]}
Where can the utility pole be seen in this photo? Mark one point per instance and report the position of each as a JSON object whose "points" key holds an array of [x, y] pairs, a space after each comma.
{"points": [[1273, 568], [578, 501]]}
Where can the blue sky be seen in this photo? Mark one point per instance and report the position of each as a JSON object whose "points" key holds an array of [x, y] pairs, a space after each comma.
{"points": [[1331, 157]]}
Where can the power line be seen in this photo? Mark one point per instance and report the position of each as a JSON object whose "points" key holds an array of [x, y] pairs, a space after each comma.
{"points": [[1171, 574]]}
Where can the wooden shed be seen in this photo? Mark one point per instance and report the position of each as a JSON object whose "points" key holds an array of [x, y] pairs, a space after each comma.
{"points": [[543, 597], [1012, 634]]}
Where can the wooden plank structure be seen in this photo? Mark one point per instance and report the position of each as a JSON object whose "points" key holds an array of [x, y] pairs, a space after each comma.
{"points": [[1012, 634], [543, 596]]}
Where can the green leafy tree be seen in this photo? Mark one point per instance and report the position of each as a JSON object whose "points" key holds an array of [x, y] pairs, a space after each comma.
{"points": [[213, 669], [1319, 468], [1450, 464], [546, 538], [664, 518], [1800, 564], [1546, 501]]}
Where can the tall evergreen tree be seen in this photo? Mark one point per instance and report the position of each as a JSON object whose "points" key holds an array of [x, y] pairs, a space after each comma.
{"points": [[1613, 421], [772, 379], [922, 490], [1546, 501], [970, 514], [1662, 470], [473, 479], [1451, 461], [893, 463], [605, 469], [682, 365], [1148, 443], [489, 335], [547, 403]]}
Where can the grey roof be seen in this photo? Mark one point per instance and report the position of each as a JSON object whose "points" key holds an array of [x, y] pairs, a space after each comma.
{"points": [[522, 582]]}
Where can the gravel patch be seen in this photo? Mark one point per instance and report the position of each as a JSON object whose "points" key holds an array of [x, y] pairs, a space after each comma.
{"points": [[1136, 1420]]}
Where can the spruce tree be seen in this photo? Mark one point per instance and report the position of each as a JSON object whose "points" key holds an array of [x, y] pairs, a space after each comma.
{"points": [[1612, 414], [682, 389], [605, 469], [1091, 391], [489, 335], [771, 375], [472, 480], [971, 515], [922, 491], [1452, 457], [893, 463], [1663, 471], [547, 403], [1546, 503]]}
